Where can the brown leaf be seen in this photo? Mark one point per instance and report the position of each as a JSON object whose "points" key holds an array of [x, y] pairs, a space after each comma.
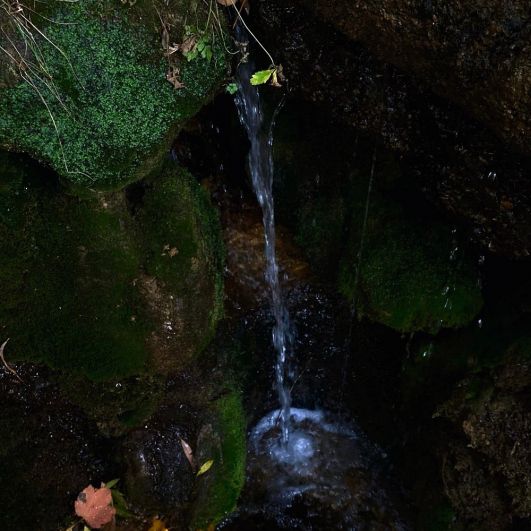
{"points": [[95, 506], [188, 44], [173, 76], [188, 453], [227, 2]]}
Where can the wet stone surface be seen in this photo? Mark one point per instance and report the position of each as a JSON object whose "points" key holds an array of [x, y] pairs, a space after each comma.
{"points": [[328, 476], [49, 451]]}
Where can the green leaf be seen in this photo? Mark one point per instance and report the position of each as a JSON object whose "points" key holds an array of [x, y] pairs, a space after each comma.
{"points": [[85, 528], [191, 55], [120, 504], [232, 88], [207, 53], [262, 76], [112, 483], [205, 467]]}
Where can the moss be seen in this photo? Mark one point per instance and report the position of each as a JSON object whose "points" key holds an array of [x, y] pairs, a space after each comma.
{"points": [[114, 112], [182, 248], [411, 278], [73, 295], [67, 270], [223, 484]]}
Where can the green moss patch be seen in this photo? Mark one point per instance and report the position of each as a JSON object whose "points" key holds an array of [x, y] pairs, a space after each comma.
{"points": [[67, 270], [96, 104], [182, 249], [74, 272], [412, 276], [220, 487]]}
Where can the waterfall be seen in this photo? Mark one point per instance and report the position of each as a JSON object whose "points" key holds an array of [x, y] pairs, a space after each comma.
{"points": [[261, 168]]}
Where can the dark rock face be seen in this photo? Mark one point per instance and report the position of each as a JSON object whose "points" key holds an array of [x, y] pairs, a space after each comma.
{"points": [[457, 161], [49, 451], [476, 54], [487, 469]]}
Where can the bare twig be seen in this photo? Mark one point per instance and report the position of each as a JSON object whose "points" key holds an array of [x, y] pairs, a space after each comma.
{"points": [[6, 365]]}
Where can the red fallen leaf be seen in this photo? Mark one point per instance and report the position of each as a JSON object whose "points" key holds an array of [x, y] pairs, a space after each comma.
{"points": [[95, 506]]}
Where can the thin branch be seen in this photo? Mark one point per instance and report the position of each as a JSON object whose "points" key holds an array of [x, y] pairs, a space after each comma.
{"points": [[6, 365], [253, 35]]}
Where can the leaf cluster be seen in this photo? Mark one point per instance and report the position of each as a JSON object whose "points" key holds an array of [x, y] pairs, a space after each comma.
{"points": [[200, 44]]}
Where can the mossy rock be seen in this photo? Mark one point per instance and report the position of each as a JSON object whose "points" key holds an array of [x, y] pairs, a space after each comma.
{"points": [[107, 292], [224, 441], [411, 277], [95, 103], [67, 271], [182, 278]]}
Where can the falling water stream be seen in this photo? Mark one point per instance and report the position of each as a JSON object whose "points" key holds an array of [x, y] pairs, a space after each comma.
{"points": [[303, 460], [261, 169]]}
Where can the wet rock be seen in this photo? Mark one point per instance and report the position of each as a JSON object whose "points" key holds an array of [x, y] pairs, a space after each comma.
{"points": [[182, 279], [159, 478], [487, 469], [243, 234], [49, 451], [92, 100], [456, 161], [476, 54]]}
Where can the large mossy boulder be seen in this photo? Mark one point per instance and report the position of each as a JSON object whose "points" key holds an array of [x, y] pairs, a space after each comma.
{"points": [[392, 257], [86, 87], [110, 287]]}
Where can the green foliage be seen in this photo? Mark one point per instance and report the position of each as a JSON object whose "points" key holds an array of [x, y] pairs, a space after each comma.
{"points": [[201, 44], [232, 88], [120, 504], [111, 113]]}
